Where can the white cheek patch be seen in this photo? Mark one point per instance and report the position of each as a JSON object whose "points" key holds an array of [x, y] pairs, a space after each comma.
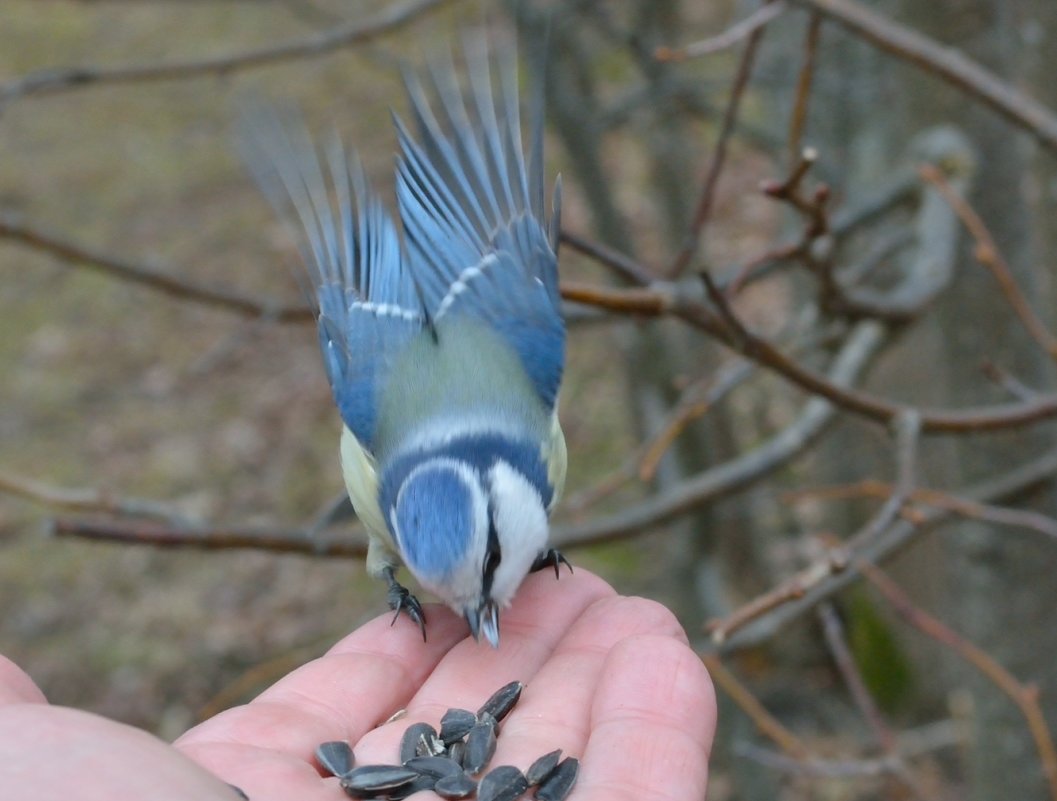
{"points": [[521, 525]]}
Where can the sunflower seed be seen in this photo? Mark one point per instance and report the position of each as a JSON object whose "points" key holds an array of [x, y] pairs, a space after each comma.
{"points": [[436, 766], [335, 757], [502, 700], [489, 718], [418, 740], [542, 767], [453, 787], [505, 783], [423, 782], [239, 792], [370, 781], [480, 747], [456, 724], [558, 785], [457, 752]]}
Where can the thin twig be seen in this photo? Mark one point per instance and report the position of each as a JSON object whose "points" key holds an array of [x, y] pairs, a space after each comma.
{"points": [[215, 537], [164, 281], [900, 534], [945, 63], [88, 500], [60, 79], [817, 768], [728, 38], [1009, 382], [936, 499], [798, 117], [988, 254], [625, 267], [1026, 697], [715, 167], [833, 630], [907, 429], [748, 703], [791, 589]]}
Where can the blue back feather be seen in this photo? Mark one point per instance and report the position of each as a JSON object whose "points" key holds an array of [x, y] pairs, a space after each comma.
{"points": [[475, 243]]}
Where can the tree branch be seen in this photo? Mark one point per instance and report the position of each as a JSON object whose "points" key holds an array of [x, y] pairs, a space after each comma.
{"points": [[159, 280], [945, 63], [60, 79]]}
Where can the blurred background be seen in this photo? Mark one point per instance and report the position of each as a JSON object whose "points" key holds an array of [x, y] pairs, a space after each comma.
{"points": [[702, 473]]}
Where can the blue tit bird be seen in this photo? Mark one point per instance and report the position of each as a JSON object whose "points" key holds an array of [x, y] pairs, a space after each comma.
{"points": [[444, 345]]}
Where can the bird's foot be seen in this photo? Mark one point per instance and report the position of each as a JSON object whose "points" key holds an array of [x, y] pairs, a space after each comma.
{"points": [[551, 557], [401, 600]]}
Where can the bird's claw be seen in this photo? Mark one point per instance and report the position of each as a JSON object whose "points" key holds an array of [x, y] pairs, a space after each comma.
{"points": [[400, 600], [551, 557]]}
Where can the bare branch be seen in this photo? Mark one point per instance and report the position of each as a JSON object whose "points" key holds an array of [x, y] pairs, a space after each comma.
{"points": [[625, 267], [899, 535], [833, 630], [715, 167], [751, 706], [88, 500], [803, 87], [163, 281], [945, 63], [725, 479], [818, 768], [728, 38], [211, 537], [988, 254], [60, 79], [1026, 697]]}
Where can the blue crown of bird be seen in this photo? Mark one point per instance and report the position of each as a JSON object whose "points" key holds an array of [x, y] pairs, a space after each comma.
{"points": [[444, 346]]}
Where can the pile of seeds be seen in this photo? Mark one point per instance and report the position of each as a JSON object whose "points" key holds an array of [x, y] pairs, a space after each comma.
{"points": [[448, 762]]}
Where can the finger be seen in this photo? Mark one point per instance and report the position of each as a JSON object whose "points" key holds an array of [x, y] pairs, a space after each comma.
{"points": [[652, 723], [16, 687], [358, 684], [530, 630], [555, 710], [51, 753]]}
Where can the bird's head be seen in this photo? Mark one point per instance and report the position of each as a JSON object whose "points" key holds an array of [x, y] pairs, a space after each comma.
{"points": [[469, 537]]}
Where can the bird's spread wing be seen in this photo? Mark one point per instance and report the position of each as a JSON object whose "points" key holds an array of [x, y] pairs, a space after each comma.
{"points": [[473, 214], [367, 304]]}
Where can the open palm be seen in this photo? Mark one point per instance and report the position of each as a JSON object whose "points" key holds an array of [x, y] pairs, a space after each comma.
{"points": [[608, 679]]}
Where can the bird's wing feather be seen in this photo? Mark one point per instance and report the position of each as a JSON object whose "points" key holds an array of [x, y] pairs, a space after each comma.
{"points": [[368, 307], [473, 216]]}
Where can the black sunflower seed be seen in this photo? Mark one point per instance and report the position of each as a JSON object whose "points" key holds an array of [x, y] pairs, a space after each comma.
{"points": [[558, 785], [542, 767], [423, 782], [505, 783], [371, 781], [436, 766], [489, 718], [455, 787], [480, 747], [456, 724], [418, 740], [457, 752], [239, 792], [502, 700], [335, 757]]}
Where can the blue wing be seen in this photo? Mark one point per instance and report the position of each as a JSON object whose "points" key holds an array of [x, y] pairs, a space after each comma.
{"points": [[473, 215], [367, 304]]}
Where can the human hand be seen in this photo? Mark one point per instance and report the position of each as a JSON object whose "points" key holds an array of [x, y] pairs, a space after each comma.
{"points": [[609, 680]]}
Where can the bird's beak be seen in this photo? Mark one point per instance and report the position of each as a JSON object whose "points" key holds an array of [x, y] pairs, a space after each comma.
{"points": [[484, 622]]}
